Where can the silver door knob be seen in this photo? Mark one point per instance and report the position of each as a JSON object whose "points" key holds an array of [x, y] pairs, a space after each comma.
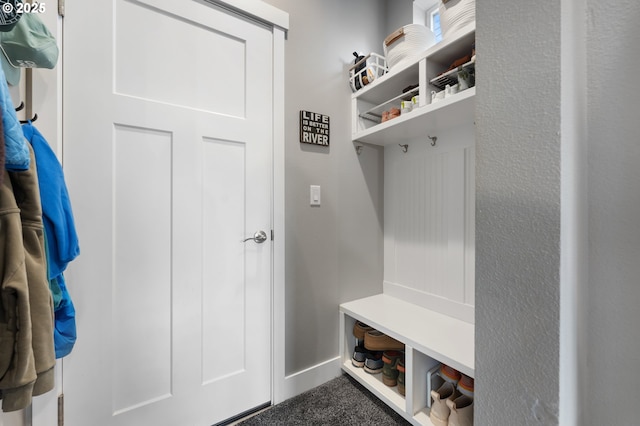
{"points": [[259, 237]]}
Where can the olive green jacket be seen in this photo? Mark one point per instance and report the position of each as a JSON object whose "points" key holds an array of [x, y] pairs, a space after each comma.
{"points": [[27, 356]]}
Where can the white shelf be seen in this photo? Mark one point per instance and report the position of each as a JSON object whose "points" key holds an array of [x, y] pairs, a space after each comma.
{"points": [[446, 339], [418, 123], [389, 85], [443, 54]]}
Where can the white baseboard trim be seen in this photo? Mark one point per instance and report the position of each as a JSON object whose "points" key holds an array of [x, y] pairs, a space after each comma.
{"points": [[309, 378]]}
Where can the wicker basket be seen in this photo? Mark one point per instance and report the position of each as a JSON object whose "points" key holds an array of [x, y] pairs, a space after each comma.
{"points": [[407, 43], [456, 14]]}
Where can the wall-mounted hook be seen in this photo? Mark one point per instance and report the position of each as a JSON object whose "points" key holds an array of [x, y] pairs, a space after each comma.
{"points": [[433, 140], [359, 149], [405, 147]]}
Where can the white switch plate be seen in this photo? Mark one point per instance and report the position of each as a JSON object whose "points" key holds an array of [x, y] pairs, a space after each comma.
{"points": [[314, 195]]}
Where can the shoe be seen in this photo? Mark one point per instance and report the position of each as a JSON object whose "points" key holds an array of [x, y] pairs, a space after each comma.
{"points": [[359, 356], [373, 362], [401, 372], [440, 411], [461, 411], [390, 367], [450, 374], [465, 385], [375, 340], [359, 330]]}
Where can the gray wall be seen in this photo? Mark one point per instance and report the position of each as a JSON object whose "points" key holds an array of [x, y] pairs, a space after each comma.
{"points": [[334, 252], [519, 206], [517, 212], [613, 308], [398, 13]]}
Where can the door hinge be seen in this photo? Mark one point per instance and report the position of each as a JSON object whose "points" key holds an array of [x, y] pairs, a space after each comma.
{"points": [[61, 409], [272, 235], [61, 8]]}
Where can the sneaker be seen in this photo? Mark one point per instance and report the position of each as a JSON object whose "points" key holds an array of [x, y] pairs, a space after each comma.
{"points": [[375, 340], [465, 385], [359, 356], [401, 373], [440, 411], [373, 362], [390, 367], [461, 411], [450, 374], [359, 330]]}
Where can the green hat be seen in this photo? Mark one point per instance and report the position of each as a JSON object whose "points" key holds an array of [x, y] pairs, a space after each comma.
{"points": [[28, 45]]}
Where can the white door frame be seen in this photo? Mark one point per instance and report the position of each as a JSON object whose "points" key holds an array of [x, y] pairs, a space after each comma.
{"points": [[47, 102], [278, 294]]}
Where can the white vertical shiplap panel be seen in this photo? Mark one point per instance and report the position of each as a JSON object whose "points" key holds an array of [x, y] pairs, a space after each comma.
{"points": [[390, 211], [405, 255], [453, 187], [429, 214], [470, 226]]}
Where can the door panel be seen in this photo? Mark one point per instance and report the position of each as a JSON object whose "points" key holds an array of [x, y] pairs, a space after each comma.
{"points": [[223, 276], [170, 170], [170, 47], [142, 267]]}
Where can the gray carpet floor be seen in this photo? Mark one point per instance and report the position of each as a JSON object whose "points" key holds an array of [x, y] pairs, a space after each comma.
{"points": [[341, 401]]}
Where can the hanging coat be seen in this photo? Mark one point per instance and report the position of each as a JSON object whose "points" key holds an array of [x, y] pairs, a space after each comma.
{"points": [[27, 356], [17, 365], [27, 195], [60, 233]]}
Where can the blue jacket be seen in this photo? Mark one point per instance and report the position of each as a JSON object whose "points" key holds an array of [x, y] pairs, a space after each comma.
{"points": [[62, 240], [60, 236], [16, 149]]}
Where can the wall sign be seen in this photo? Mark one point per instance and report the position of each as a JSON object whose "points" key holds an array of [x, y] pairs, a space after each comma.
{"points": [[314, 128]]}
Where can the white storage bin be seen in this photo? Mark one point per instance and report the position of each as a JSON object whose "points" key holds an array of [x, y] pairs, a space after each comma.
{"points": [[406, 43], [456, 14]]}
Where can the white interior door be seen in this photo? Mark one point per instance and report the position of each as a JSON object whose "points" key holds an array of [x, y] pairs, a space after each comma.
{"points": [[168, 159]]}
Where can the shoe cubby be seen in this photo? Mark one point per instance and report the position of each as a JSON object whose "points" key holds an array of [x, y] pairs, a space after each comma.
{"points": [[430, 338]]}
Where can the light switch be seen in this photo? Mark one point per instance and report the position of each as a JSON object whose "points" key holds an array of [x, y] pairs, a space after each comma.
{"points": [[314, 195]]}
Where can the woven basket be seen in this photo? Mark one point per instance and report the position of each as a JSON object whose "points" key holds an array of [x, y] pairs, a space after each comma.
{"points": [[406, 43], [456, 14]]}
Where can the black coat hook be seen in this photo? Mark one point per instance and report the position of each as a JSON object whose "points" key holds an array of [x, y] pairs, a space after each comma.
{"points": [[35, 117], [20, 107]]}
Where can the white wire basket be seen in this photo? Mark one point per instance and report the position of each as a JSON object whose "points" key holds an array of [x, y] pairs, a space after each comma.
{"points": [[367, 70]]}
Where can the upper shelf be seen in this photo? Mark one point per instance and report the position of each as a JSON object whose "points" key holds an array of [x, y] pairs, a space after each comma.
{"points": [[418, 123], [429, 71], [443, 54]]}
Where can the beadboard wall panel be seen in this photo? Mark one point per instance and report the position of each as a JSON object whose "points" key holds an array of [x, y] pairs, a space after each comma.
{"points": [[429, 222]]}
